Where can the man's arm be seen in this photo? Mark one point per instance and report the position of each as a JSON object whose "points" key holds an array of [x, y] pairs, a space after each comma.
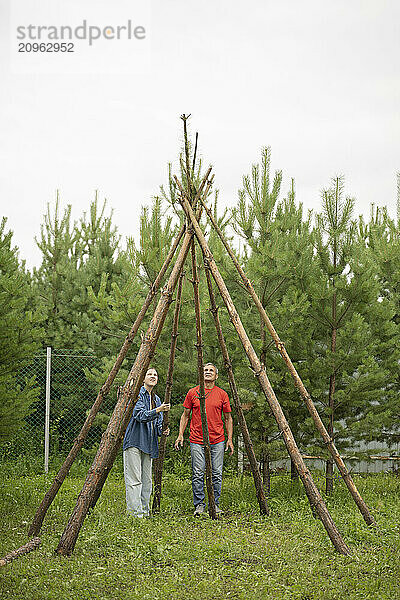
{"points": [[182, 426], [229, 432]]}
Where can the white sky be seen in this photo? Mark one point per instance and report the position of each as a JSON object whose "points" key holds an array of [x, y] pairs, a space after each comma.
{"points": [[317, 81]]}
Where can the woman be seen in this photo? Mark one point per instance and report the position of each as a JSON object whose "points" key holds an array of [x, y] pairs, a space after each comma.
{"points": [[141, 446]]}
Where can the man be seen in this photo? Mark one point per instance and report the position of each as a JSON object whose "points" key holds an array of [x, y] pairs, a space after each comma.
{"points": [[217, 402], [141, 446]]}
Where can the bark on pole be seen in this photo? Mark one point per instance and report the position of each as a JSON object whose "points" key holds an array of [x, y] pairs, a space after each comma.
{"points": [[104, 390], [362, 506], [112, 437], [262, 501], [202, 394], [31, 545], [159, 462], [312, 491]]}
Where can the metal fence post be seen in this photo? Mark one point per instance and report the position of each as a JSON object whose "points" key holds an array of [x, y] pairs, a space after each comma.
{"points": [[47, 417]]}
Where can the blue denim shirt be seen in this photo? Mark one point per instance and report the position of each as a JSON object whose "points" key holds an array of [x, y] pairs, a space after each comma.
{"points": [[145, 425]]}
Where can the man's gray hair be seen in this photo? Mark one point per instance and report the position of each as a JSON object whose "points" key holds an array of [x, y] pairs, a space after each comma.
{"points": [[212, 364]]}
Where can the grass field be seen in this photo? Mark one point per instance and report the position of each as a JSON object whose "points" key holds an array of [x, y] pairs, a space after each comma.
{"points": [[177, 556]]}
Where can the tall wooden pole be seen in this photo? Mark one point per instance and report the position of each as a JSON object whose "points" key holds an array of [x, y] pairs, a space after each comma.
{"points": [[195, 197], [312, 491], [202, 394], [112, 438], [113, 456], [119, 420], [362, 506], [159, 462], [187, 156], [262, 501], [104, 390]]}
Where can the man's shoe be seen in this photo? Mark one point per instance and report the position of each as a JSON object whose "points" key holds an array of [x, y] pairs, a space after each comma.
{"points": [[199, 510]]}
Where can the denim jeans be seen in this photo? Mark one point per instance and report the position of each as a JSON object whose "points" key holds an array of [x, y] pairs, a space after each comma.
{"points": [[199, 468], [137, 472]]}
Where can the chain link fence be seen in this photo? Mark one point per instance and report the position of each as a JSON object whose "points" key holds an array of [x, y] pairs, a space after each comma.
{"points": [[67, 392], [66, 395]]}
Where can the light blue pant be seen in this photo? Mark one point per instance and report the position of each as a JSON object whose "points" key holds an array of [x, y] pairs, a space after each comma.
{"points": [[137, 473], [199, 468]]}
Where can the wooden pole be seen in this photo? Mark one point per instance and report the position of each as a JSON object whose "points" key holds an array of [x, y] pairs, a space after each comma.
{"points": [[104, 390], [31, 545], [362, 506], [187, 155], [112, 437], [312, 491], [159, 462], [202, 394], [112, 457], [262, 501]]}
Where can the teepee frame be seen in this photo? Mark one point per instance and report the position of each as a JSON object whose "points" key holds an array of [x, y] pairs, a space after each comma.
{"points": [[193, 201]]}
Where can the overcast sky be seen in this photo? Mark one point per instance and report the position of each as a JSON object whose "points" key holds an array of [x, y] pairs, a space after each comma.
{"points": [[317, 81]]}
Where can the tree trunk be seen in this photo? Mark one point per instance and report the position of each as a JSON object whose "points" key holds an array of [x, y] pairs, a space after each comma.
{"points": [[263, 353], [240, 455], [294, 476], [266, 470], [332, 383], [332, 379]]}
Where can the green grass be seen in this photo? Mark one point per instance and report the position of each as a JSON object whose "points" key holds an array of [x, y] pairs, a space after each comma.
{"points": [[176, 556]]}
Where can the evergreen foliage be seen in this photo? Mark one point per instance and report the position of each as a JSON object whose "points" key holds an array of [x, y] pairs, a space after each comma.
{"points": [[20, 335], [329, 285], [80, 260], [277, 258]]}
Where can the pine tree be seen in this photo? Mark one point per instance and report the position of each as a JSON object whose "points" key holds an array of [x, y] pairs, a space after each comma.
{"points": [[58, 246], [79, 259], [343, 294], [20, 335], [278, 254], [380, 418]]}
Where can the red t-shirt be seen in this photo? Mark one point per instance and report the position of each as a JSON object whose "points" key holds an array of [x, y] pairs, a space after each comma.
{"points": [[217, 401]]}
